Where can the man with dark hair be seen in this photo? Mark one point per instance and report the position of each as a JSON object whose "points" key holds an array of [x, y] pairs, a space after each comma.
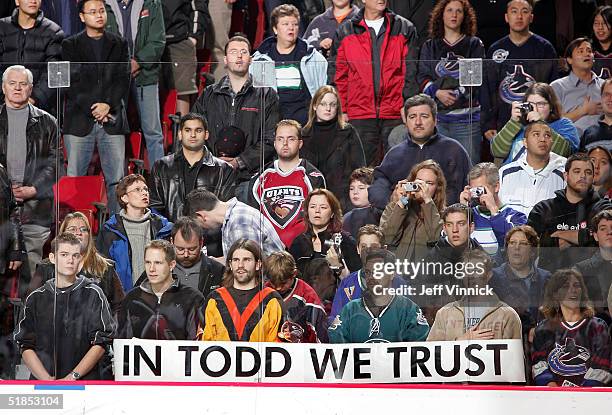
{"points": [[194, 268], [95, 102], [373, 101], [146, 40], [235, 219], [441, 264], [192, 166], [279, 192], [492, 218], [562, 222], [479, 314], [161, 307], [306, 319], [233, 103], [423, 142], [241, 310], [580, 92], [124, 236], [600, 133], [514, 63], [29, 150], [536, 175], [362, 213], [76, 309], [380, 316], [597, 270], [28, 38]]}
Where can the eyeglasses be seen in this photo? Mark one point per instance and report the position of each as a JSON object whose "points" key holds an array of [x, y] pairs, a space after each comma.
{"points": [[286, 139], [101, 12], [540, 105], [74, 229], [235, 52], [139, 190], [181, 250]]}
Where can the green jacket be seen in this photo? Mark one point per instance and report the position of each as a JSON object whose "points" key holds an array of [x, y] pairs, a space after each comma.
{"points": [[150, 35]]}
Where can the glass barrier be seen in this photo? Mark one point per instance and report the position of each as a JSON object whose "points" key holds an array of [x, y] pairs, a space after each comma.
{"points": [[455, 212]]}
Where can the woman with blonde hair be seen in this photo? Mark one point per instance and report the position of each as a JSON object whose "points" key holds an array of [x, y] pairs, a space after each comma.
{"points": [[331, 144], [411, 222], [93, 265]]}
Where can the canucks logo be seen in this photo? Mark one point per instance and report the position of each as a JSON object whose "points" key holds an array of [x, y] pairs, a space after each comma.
{"points": [[513, 86], [569, 359], [449, 66]]}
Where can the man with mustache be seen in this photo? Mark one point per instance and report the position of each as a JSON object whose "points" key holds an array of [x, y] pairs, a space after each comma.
{"points": [[241, 310], [562, 222]]}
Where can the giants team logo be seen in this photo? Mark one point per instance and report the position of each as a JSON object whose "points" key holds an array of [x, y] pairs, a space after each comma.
{"points": [[282, 204], [513, 86], [569, 359]]}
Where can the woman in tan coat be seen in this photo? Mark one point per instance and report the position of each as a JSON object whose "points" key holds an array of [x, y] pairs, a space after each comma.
{"points": [[411, 221]]}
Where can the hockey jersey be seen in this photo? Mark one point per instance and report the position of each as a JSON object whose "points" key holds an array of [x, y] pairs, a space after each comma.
{"points": [[400, 321], [572, 354], [304, 309], [279, 196], [490, 231]]}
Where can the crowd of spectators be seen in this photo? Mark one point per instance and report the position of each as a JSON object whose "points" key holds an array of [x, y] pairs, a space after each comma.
{"points": [[282, 211]]}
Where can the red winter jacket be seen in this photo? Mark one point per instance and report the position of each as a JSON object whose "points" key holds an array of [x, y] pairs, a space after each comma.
{"points": [[351, 68]]}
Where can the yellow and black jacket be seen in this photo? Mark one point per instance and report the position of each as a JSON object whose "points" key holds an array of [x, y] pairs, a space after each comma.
{"points": [[242, 315]]}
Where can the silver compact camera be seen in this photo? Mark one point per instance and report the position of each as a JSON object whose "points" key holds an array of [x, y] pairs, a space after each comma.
{"points": [[475, 193], [411, 187]]}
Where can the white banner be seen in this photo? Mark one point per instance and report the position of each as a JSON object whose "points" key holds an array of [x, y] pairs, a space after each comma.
{"points": [[420, 362]]}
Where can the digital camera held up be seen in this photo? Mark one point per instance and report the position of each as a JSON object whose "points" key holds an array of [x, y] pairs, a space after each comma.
{"points": [[526, 108], [475, 193]]}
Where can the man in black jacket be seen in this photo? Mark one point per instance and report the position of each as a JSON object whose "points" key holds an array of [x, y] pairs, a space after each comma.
{"points": [[28, 148], [82, 320], [162, 307], [30, 39], [562, 222], [233, 101], [95, 102], [422, 142], [192, 167]]}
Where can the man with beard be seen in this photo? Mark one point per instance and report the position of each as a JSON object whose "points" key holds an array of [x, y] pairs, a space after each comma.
{"points": [[241, 310], [562, 222], [279, 192], [381, 315], [162, 307]]}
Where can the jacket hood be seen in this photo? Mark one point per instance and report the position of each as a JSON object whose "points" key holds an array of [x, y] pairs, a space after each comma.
{"points": [[590, 198], [444, 249], [15, 17], [146, 285], [80, 282]]}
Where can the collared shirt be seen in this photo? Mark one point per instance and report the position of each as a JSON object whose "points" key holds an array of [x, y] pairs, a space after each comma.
{"points": [[243, 221], [571, 92], [189, 276]]}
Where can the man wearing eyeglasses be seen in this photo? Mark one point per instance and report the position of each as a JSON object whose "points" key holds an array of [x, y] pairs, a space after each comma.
{"points": [[95, 105], [281, 189], [125, 235], [234, 102]]}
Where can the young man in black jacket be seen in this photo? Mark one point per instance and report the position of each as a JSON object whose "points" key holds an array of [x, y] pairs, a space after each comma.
{"points": [[192, 167], [233, 101], [30, 39], [562, 222], [66, 324], [162, 307]]}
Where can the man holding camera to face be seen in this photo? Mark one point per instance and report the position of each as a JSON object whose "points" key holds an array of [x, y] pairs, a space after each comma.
{"points": [[492, 219]]}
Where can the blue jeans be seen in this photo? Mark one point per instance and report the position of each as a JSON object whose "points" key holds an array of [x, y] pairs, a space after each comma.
{"points": [[461, 132], [147, 102], [111, 149]]}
